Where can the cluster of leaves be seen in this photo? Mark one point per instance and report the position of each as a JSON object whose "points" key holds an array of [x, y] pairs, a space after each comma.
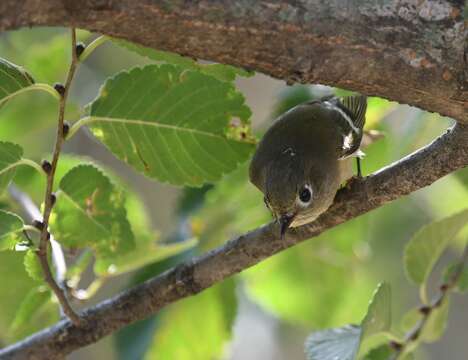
{"points": [[172, 121], [372, 339]]}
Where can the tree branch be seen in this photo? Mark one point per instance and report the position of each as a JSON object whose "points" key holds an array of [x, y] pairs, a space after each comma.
{"points": [[444, 155], [413, 52]]}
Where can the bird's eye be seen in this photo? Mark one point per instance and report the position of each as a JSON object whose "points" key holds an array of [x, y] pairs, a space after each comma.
{"points": [[305, 195]]}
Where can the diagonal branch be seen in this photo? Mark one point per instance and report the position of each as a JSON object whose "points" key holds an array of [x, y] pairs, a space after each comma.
{"points": [[444, 155], [412, 52]]}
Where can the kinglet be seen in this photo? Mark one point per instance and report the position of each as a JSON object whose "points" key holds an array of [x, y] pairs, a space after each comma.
{"points": [[305, 156]]}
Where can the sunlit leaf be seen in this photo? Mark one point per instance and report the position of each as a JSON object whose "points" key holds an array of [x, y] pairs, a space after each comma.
{"points": [[11, 226], [220, 71], [10, 155], [171, 124], [90, 211], [31, 304], [339, 343], [428, 244], [13, 78], [33, 266], [196, 328]]}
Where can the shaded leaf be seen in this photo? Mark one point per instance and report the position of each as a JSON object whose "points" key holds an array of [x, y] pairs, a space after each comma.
{"points": [[12, 79], [339, 343], [146, 252], [344, 342], [437, 323], [31, 304], [11, 226], [382, 352], [428, 244], [171, 124], [196, 328], [33, 266], [462, 283], [378, 317], [220, 71], [90, 211], [10, 155]]}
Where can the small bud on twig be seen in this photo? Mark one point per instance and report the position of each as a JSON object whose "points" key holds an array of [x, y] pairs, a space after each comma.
{"points": [[38, 224], [59, 88], [80, 47], [396, 345], [425, 310], [46, 166], [53, 199], [66, 129]]}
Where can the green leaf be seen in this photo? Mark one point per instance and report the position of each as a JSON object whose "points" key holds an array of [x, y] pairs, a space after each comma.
{"points": [[428, 244], [344, 342], [378, 317], [12, 79], [90, 211], [171, 124], [462, 283], [31, 304], [196, 328], [33, 266], [220, 71], [338, 343], [10, 155], [11, 226]]}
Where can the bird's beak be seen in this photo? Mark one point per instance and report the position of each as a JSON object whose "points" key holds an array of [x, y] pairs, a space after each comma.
{"points": [[285, 220]]}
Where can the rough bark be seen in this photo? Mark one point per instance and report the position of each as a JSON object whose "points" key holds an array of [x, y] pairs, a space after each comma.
{"points": [[411, 51], [446, 154]]}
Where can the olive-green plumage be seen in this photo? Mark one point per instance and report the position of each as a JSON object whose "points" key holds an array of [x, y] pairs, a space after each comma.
{"points": [[304, 157]]}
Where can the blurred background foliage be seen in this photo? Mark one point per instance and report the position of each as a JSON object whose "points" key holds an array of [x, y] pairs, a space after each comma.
{"points": [[267, 311]]}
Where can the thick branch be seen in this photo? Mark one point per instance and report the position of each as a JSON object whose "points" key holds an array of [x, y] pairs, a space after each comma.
{"points": [[412, 51], [446, 154]]}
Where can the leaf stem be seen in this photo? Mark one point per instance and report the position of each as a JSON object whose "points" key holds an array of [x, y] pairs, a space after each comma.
{"points": [[78, 124], [32, 164], [92, 46], [22, 162], [43, 87], [49, 198]]}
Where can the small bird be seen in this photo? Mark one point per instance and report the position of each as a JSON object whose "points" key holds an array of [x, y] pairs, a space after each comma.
{"points": [[305, 156]]}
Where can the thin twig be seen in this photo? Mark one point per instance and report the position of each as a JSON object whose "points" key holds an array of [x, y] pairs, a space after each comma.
{"points": [[49, 197], [426, 310]]}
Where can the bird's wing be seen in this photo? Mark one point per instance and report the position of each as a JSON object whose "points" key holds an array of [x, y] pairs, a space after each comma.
{"points": [[351, 116]]}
